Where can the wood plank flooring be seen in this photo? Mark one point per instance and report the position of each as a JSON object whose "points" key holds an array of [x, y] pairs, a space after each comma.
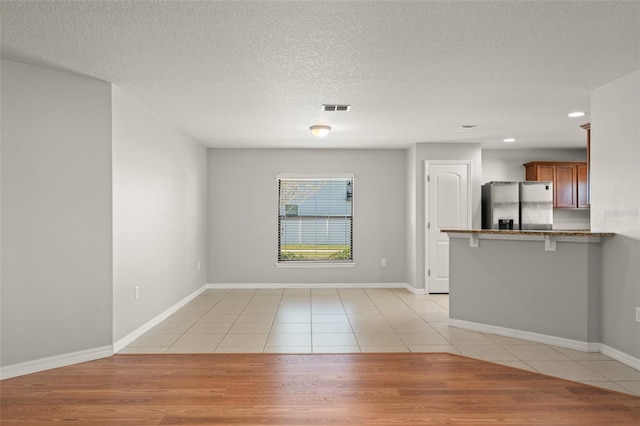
{"points": [[307, 389]]}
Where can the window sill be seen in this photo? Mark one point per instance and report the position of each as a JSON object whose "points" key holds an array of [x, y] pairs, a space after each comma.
{"points": [[315, 265]]}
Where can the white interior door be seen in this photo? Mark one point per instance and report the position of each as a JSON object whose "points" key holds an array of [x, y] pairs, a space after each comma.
{"points": [[448, 207]]}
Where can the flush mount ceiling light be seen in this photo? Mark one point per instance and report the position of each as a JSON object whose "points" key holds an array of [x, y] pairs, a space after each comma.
{"points": [[576, 114], [320, 131], [508, 140]]}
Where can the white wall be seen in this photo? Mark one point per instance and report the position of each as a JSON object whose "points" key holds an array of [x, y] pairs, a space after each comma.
{"points": [[615, 206], [243, 214], [439, 151], [159, 214], [56, 213]]}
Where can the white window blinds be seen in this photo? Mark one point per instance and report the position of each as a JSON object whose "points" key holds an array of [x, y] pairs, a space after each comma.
{"points": [[315, 219]]}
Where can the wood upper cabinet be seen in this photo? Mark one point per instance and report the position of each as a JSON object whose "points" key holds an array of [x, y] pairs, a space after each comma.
{"points": [[584, 200], [585, 181], [566, 186], [570, 181], [542, 172]]}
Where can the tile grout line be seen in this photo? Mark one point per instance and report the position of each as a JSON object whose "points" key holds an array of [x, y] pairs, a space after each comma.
{"points": [[232, 324], [349, 319], [195, 322]]}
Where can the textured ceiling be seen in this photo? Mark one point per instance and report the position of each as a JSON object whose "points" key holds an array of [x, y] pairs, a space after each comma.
{"points": [[255, 74]]}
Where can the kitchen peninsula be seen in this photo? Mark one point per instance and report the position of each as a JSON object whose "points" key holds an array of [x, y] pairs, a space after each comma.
{"points": [[542, 286]]}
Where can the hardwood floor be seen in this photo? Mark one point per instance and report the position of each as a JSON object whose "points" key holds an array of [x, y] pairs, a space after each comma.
{"points": [[276, 389]]}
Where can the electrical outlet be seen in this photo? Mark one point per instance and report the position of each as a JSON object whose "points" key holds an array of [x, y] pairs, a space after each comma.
{"points": [[136, 292], [383, 262], [637, 313], [198, 266]]}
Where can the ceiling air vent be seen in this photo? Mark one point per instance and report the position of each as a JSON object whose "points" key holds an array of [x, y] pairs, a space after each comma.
{"points": [[333, 107], [465, 127]]}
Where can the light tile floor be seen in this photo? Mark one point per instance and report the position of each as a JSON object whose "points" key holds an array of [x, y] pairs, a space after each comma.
{"points": [[360, 320]]}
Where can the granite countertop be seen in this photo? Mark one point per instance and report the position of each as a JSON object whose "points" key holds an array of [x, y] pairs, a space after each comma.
{"points": [[563, 233]]}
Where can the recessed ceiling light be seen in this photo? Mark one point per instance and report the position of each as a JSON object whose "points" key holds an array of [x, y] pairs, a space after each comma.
{"points": [[508, 140], [576, 114], [465, 127]]}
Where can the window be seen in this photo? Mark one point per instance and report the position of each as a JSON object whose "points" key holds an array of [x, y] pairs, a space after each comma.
{"points": [[315, 219]]}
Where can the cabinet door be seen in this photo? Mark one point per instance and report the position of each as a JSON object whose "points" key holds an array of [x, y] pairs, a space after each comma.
{"points": [[545, 172], [566, 186], [583, 186]]}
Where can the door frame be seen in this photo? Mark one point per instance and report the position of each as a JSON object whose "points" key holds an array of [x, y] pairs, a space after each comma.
{"points": [[427, 219]]}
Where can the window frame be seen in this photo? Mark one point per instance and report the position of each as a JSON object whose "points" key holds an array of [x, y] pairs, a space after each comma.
{"points": [[314, 263]]}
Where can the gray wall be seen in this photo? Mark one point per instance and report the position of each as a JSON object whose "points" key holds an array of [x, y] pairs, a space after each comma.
{"points": [[416, 200], [615, 206], [243, 214], [518, 285], [159, 214], [412, 211], [506, 164], [56, 213]]}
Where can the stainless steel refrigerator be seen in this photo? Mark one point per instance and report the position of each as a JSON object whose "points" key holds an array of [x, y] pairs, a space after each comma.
{"points": [[501, 205], [536, 205]]}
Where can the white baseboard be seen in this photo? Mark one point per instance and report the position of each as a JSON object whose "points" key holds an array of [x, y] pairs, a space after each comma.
{"points": [[56, 361], [230, 286], [620, 356], [577, 345], [126, 340], [526, 335]]}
